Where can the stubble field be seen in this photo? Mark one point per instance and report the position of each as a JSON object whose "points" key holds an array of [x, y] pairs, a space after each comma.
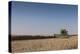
{"points": [[44, 44]]}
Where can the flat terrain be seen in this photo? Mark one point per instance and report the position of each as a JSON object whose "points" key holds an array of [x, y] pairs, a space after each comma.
{"points": [[44, 44]]}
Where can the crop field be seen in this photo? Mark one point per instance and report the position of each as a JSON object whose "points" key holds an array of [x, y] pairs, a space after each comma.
{"points": [[44, 44]]}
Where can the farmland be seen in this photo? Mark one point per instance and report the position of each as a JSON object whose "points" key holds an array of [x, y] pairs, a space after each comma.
{"points": [[44, 44]]}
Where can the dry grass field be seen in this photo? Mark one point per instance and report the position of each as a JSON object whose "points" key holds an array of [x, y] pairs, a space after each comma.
{"points": [[44, 44]]}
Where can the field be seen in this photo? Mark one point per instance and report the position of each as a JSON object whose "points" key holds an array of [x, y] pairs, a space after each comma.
{"points": [[44, 44]]}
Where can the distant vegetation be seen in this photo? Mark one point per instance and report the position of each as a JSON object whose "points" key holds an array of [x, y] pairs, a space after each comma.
{"points": [[63, 34], [27, 37]]}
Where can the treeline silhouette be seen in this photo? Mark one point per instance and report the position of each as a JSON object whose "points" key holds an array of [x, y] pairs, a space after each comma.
{"points": [[30, 37]]}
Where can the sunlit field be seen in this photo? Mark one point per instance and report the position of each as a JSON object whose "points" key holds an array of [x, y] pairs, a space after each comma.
{"points": [[44, 44]]}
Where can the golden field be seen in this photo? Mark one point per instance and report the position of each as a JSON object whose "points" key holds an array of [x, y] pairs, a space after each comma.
{"points": [[44, 44]]}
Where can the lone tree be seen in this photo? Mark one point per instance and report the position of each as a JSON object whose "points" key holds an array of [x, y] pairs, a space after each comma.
{"points": [[64, 32]]}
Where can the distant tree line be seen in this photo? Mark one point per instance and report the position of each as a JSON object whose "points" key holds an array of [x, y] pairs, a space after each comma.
{"points": [[63, 33]]}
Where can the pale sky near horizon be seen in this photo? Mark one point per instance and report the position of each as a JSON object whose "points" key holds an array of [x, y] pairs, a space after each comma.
{"points": [[43, 19]]}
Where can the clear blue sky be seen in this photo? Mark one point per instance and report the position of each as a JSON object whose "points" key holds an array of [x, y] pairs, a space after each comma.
{"points": [[43, 19]]}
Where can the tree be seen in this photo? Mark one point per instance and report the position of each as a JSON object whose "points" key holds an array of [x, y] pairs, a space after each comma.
{"points": [[64, 32]]}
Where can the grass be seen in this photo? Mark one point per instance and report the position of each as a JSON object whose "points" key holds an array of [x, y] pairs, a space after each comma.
{"points": [[44, 44]]}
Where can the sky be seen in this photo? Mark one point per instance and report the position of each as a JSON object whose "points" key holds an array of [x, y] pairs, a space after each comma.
{"points": [[43, 18]]}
